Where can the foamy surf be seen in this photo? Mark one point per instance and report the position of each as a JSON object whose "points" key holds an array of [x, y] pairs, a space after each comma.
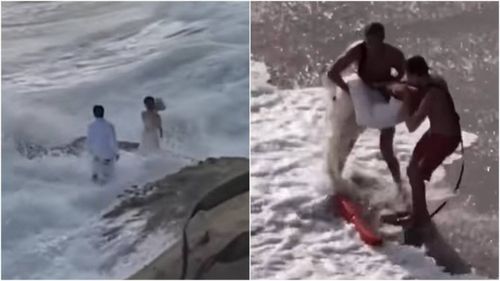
{"points": [[54, 71], [294, 236]]}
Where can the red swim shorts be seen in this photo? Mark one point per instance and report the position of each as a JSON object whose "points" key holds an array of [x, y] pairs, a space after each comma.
{"points": [[430, 152]]}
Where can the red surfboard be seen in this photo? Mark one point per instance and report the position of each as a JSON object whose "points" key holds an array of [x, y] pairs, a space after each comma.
{"points": [[350, 211]]}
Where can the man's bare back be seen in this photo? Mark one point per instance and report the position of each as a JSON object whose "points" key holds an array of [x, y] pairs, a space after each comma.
{"points": [[442, 114], [438, 106], [378, 65]]}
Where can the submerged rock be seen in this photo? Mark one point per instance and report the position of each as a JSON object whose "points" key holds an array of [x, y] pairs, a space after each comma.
{"points": [[77, 147]]}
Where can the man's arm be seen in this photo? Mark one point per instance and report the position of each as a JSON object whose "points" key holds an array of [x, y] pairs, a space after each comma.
{"points": [[340, 65], [414, 120], [399, 64]]}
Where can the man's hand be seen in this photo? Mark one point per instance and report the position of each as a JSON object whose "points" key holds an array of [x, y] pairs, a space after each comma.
{"points": [[346, 59], [400, 90]]}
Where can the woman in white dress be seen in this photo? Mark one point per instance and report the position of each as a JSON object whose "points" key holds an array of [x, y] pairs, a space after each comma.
{"points": [[153, 130]]}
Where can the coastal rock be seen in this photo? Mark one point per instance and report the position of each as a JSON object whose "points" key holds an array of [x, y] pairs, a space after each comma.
{"points": [[218, 238]]}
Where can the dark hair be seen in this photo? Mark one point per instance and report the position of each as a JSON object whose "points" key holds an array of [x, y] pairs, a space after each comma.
{"points": [[375, 28], [149, 102], [417, 65], [98, 111], [149, 99]]}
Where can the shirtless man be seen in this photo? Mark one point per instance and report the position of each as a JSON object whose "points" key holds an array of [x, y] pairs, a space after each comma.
{"points": [[438, 142], [374, 59]]}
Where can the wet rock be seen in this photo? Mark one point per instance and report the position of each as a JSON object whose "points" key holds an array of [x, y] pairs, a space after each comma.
{"points": [[165, 205]]}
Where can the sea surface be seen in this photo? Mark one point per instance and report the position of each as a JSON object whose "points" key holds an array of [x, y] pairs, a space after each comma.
{"points": [[61, 58], [297, 41]]}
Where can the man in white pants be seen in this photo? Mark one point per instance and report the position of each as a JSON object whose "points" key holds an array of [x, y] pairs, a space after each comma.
{"points": [[102, 146]]}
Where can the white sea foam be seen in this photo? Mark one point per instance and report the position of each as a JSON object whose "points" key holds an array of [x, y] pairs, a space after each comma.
{"points": [[58, 60], [294, 236]]}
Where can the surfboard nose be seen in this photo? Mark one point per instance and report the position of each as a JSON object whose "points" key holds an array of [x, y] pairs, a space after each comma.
{"points": [[351, 212]]}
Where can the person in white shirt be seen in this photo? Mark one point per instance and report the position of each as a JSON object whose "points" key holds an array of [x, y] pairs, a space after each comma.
{"points": [[102, 146]]}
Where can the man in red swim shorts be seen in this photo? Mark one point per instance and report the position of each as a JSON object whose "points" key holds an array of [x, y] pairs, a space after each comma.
{"points": [[438, 142]]}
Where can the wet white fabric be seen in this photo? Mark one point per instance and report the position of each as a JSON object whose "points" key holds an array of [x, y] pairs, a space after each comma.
{"points": [[101, 139], [150, 141], [370, 107], [103, 169]]}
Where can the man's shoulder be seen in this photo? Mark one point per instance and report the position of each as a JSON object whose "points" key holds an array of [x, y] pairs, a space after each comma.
{"points": [[109, 124], [438, 80], [438, 84], [355, 47], [100, 123], [395, 51], [92, 124]]}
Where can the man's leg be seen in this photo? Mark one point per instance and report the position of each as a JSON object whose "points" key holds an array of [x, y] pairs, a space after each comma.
{"points": [[386, 140], [429, 153], [420, 214], [417, 174], [107, 170], [95, 169], [111, 168]]}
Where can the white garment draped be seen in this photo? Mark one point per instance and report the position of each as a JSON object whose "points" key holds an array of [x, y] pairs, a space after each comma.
{"points": [[103, 169], [370, 107], [150, 142]]}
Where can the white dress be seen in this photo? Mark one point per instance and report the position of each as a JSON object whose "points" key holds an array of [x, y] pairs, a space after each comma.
{"points": [[150, 142], [370, 107]]}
